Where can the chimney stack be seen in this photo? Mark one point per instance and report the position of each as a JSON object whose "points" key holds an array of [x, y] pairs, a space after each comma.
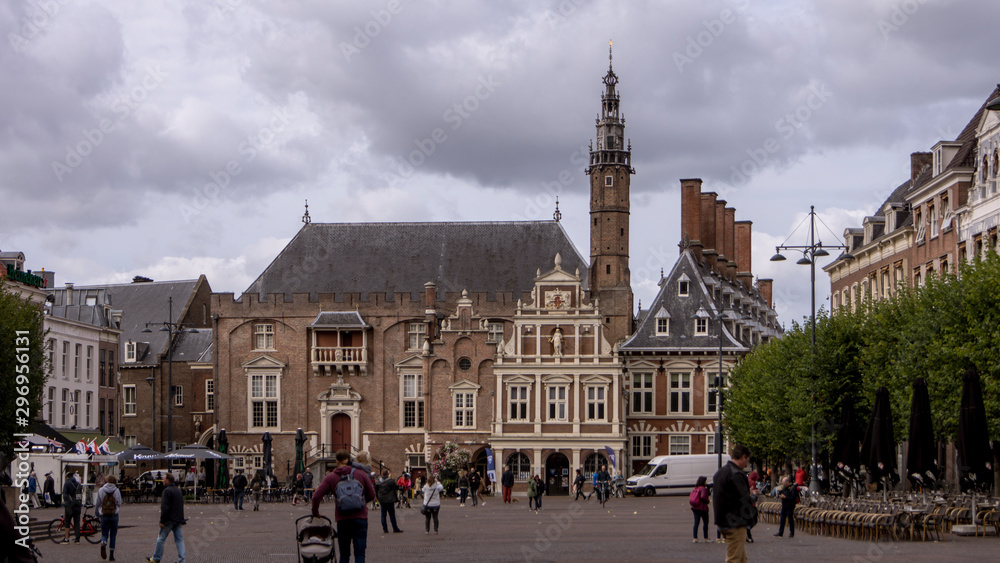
{"points": [[691, 216], [918, 161], [69, 293], [720, 236], [730, 243], [765, 287], [708, 230], [742, 250]]}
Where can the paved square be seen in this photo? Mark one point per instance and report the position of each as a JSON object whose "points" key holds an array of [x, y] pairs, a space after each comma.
{"points": [[631, 529]]}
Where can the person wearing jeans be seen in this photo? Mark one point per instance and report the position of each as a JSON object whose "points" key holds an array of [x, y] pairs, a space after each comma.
{"points": [[109, 522], [171, 520], [432, 503]]}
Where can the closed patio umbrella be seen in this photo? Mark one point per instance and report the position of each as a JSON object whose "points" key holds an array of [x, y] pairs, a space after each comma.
{"points": [[300, 463], [847, 447], [878, 450], [223, 480], [974, 453], [267, 457], [921, 454]]}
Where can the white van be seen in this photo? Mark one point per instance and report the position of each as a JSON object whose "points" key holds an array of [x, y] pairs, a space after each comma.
{"points": [[677, 473]]}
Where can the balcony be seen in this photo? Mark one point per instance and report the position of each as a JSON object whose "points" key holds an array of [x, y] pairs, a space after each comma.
{"points": [[340, 360], [339, 344]]}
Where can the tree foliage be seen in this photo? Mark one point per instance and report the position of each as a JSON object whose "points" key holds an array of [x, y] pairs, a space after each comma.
{"points": [[21, 381], [936, 331]]}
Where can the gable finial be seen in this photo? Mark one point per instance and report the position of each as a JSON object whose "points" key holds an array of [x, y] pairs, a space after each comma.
{"points": [[611, 43], [557, 215], [305, 218]]}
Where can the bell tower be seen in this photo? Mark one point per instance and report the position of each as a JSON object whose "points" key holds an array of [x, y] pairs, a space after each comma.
{"points": [[610, 172]]}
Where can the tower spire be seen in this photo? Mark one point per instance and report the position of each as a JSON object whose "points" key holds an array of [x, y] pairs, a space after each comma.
{"points": [[305, 218], [557, 215]]}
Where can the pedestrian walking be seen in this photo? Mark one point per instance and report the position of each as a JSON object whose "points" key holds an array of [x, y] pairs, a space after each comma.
{"points": [[539, 491], [256, 487], [33, 490], [307, 482], [789, 496], [353, 490], [532, 493], [71, 506], [432, 503], [578, 482], [239, 489], [699, 507], [475, 483], [733, 509], [298, 488], [109, 498], [171, 519], [49, 490], [463, 486], [507, 482], [387, 492]]}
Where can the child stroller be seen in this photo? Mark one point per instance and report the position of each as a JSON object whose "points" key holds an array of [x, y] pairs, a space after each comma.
{"points": [[315, 537]]}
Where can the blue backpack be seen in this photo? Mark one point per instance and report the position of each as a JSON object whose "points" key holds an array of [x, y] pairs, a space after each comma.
{"points": [[350, 494]]}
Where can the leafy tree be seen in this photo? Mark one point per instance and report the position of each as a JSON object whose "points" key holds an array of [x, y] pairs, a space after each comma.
{"points": [[22, 364]]}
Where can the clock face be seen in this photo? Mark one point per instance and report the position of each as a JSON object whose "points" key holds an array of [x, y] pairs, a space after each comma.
{"points": [[556, 299]]}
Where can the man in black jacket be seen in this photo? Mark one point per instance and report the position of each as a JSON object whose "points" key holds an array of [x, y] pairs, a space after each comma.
{"points": [[71, 505], [171, 519], [387, 491], [507, 482], [789, 495], [239, 489], [733, 507]]}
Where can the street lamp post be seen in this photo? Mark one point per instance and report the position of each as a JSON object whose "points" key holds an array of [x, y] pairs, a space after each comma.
{"points": [[152, 429], [810, 253], [172, 329]]}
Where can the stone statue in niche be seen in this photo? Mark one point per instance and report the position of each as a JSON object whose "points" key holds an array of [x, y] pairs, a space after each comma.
{"points": [[556, 340]]}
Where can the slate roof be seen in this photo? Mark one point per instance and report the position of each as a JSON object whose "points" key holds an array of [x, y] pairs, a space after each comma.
{"points": [[331, 319], [700, 302], [194, 346], [140, 303], [491, 257]]}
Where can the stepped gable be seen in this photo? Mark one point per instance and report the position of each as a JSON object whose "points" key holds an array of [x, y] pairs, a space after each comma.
{"points": [[390, 258]]}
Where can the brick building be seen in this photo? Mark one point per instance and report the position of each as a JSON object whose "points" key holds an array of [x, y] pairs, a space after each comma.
{"points": [[708, 314], [939, 216], [385, 337]]}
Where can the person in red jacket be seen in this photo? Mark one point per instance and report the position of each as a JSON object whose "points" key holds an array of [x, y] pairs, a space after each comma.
{"points": [[800, 477], [351, 528]]}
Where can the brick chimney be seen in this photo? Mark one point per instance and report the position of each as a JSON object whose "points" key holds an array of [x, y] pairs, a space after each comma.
{"points": [[742, 250], [720, 236], [918, 161], [730, 243], [765, 287], [708, 231], [691, 215]]}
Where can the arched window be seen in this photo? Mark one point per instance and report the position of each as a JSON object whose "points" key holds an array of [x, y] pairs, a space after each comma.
{"points": [[592, 464], [520, 465]]}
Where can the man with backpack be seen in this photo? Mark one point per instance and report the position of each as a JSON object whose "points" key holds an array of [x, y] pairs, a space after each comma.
{"points": [[353, 490]]}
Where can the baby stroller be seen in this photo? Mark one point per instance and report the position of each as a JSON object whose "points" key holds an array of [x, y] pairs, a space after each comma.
{"points": [[315, 537]]}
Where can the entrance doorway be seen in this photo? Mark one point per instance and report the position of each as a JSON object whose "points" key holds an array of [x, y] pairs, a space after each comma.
{"points": [[340, 435], [557, 477]]}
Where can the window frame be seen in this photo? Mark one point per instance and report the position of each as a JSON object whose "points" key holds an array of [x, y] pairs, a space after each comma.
{"points": [[415, 334], [516, 399], [494, 332], [264, 404], [126, 402], [89, 366], [467, 409], [662, 326], [595, 403], [520, 465], [701, 327], [678, 442], [178, 395], [553, 402], [210, 395], [642, 446], [413, 399], [263, 331], [643, 393], [683, 393]]}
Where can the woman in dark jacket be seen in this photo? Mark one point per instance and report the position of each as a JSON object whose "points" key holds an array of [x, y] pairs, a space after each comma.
{"points": [[699, 506]]}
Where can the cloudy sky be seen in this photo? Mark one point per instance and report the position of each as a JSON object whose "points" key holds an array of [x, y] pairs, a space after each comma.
{"points": [[174, 138]]}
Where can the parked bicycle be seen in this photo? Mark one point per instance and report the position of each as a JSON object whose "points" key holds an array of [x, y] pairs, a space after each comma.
{"points": [[90, 528]]}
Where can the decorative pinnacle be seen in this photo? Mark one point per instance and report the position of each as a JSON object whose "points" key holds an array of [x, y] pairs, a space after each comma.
{"points": [[610, 44], [305, 218], [557, 215]]}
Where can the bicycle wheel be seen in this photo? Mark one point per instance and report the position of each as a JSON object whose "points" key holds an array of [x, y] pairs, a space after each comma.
{"points": [[90, 528], [56, 530]]}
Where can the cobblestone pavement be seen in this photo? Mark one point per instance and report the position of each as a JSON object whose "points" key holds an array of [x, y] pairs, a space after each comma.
{"points": [[631, 529]]}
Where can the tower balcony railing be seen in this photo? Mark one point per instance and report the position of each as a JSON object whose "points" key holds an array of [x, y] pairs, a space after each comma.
{"points": [[340, 359]]}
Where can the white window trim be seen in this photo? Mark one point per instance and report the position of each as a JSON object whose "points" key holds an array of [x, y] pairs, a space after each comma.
{"points": [[526, 400], [710, 444], [609, 181], [264, 374], [210, 392], [178, 395], [650, 390], [556, 401], [665, 331], [590, 401], [494, 332], [411, 332], [418, 398], [264, 330], [689, 389], [700, 330], [470, 412], [681, 438], [641, 438]]}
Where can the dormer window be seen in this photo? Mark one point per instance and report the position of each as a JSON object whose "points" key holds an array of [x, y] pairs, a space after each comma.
{"points": [[662, 327], [701, 327], [683, 287], [130, 349]]}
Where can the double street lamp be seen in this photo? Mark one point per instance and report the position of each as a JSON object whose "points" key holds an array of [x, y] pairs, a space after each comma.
{"points": [[815, 249], [172, 329]]}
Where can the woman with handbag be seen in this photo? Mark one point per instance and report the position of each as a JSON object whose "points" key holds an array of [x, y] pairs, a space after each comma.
{"points": [[432, 503]]}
